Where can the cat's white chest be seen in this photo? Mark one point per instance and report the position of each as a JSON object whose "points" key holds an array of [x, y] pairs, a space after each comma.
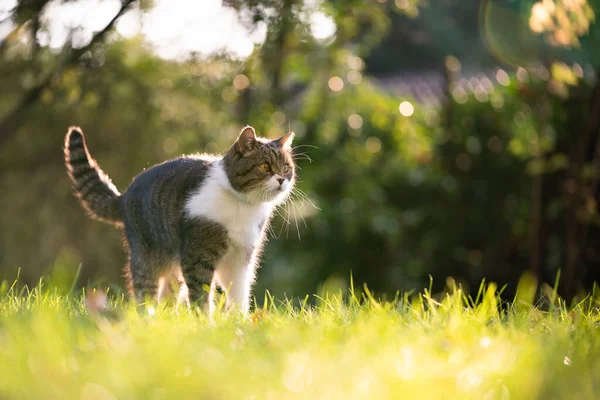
{"points": [[216, 201]]}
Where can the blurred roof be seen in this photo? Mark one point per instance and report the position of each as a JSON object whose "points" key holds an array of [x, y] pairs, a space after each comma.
{"points": [[429, 87]]}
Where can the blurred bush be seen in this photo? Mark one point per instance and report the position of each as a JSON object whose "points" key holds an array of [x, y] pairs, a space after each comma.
{"points": [[500, 180]]}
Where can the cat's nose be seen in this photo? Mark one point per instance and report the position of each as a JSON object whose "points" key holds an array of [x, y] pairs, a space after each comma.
{"points": [[280, 180]]}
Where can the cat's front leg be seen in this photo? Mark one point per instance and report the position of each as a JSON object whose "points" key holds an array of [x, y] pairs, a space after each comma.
{"points": [[236, 275], [204, 243]]}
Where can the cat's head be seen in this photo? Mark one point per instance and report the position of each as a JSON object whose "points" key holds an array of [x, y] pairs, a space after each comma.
{"points": [[259, 169]]}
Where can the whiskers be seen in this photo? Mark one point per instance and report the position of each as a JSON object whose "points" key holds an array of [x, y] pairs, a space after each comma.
{"points": [[293, 209], [295, 205], [302, 155]]}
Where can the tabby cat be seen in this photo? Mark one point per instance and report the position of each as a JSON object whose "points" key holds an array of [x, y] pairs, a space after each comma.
{"points": [[201, 219]]}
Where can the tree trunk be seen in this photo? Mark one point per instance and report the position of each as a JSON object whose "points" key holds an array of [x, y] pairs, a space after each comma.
{"points": [[576, 233]]}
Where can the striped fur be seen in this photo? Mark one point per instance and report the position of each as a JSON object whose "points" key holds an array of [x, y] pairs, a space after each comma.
{"points": [[92, 186], [200, 219]]}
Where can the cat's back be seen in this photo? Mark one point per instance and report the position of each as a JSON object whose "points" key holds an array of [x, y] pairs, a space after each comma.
{"points": [[178, 173], [158, 194]]}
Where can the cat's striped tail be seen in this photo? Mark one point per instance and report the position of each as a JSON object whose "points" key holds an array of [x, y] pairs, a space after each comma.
{"points": [[93, 187]]}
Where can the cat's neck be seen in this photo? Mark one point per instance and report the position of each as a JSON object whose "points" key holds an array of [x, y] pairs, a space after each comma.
{"points": [[216, 200]]}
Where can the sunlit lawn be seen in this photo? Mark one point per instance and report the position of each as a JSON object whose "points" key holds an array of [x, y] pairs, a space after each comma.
{"points": [[53, 347]]}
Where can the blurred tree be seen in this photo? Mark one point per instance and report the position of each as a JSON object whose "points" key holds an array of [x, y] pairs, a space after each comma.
{"points": [[480, 189], [30, 12], [555, 135]]}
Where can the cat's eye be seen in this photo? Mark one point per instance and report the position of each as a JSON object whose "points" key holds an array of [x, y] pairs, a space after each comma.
{"points": [[264, 167], [286, 169]]}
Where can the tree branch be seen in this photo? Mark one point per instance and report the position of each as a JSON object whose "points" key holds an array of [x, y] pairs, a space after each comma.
{"points": [[11, 122]]}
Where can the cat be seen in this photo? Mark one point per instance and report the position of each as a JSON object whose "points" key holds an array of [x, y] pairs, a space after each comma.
{"points": [[199, 218]]}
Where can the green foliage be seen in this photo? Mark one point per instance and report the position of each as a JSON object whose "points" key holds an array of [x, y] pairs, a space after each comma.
{"points": [[348, 347], [401, 191]]}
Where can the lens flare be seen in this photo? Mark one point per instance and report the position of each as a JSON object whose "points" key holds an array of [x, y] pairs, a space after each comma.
{"points": [[507, 33]]}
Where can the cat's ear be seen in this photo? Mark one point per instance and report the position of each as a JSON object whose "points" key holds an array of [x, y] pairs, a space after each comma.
{"points": [[246, 140], [285, 142]]}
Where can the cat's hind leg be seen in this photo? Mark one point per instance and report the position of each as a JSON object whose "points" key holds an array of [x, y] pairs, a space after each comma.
{"points": [[144, 280], [143, 272]]}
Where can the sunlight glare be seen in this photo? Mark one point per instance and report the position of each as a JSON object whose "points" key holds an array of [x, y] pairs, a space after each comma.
{"points": [[89, 15], [485, 342], [468, 379], [405, 367], [322, 27], [173, 32]]}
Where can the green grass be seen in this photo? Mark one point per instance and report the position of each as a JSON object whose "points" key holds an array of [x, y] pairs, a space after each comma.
{"points": [[346, 347]]}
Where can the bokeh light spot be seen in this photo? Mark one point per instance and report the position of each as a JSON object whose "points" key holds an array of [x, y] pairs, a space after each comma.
{"points": [[543, 73], [487, 84], [473, 145], [468, 379], [540, 17], [480, 94], [522, 75], [170, 145], [452, 63], [355, 62], [460, 95], [373, 144], [485, 342], [167, 113], [228, 94], [322, 26], [402, 4], [406, 108], [278, 117], [336, 83], [241, 82], [502, 77], [463, 162], [354, 77], [355, 121], [497, 101], [432, 119]]}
